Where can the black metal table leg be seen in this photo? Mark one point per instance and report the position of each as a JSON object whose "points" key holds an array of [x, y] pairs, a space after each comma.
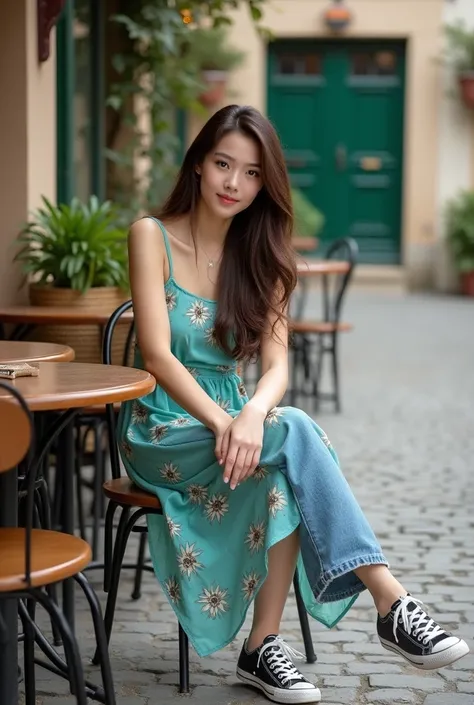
{"points": [[65, 465], [8, 608]]}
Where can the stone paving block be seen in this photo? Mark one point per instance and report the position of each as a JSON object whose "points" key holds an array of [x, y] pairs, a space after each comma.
{"points": [[449, 699], [367, 669], [341, 682], [341, 696], [416, 682], [225, 695], [465, 687], [392, 696]]}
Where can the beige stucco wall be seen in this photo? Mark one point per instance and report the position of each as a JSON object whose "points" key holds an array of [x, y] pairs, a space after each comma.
{"points": [[27, 131], [417, 21], [455, 147]]}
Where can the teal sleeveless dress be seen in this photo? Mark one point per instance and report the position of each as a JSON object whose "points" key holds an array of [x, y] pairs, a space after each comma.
{"points": [[209, 548]]}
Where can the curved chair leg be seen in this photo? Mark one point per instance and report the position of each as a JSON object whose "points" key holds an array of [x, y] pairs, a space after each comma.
{"points": [[71, 650], [335, 373], [108, 541], [183, 661], [123, 532], [137, 586], [303, 615], [100, 636], [29, 656]]}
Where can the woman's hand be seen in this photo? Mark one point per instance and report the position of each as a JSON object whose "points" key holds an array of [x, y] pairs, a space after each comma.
{"points": [[241, 445]]}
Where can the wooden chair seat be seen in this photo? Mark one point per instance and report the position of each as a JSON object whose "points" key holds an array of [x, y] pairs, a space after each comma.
{"points": [[54, 556], [124, 491], [319, 327]]}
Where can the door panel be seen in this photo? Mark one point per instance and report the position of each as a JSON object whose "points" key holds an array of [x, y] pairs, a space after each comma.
{"points": [[338, 108]]}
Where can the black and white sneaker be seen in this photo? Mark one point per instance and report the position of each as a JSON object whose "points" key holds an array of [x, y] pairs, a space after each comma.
{"points": [[410, 632], [270, 668]]}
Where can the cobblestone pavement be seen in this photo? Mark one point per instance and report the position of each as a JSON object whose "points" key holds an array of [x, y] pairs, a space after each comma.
{"points": [[406, 442]]}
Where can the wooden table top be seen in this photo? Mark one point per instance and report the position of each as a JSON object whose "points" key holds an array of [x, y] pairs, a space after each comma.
{"points": [[38, 315], [319, 267], [26, 351], [70, 385]]}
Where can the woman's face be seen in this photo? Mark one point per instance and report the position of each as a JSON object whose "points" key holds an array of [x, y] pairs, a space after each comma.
{"points": [[231, 175]]}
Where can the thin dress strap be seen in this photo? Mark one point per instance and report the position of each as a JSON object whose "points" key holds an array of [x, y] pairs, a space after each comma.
{"points": [[167, 242]]}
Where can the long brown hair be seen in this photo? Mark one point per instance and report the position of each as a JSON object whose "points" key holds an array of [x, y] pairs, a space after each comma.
{"points": [[258, 270]]}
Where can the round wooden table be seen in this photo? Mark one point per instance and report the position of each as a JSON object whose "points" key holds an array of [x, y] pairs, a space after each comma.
{"points": [[72, 385], [59, 386], [322, 267], [25, 351]]}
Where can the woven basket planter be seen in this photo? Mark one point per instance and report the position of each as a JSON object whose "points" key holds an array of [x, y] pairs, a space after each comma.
{"points": [[86, 340]]}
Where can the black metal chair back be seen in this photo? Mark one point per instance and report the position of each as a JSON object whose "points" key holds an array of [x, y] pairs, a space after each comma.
{"points": [[112, 323], [335, 286]]}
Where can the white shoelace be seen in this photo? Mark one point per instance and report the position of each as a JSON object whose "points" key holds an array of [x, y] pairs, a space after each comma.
{"points": [[281, 657], [415, 621]]}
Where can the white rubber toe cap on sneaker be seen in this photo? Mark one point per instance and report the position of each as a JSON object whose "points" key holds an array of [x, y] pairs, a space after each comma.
{"points": [[302, 686], [445, 644]]}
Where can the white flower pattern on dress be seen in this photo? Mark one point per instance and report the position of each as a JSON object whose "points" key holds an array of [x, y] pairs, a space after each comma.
{"points": [[198, 313], [260, 473], [173, 588], [224, 368], [249, 584], [273, 416], [241, 389], [139, 413], [256, 537], [171, 300], [188, 559], [158, 432], [170, 473], [276, 501], [210, 336], [127, 449], [173, 527], [197, 493], [216, 507], [223, 403], [180, 421], [214, 601], [193, 372]]}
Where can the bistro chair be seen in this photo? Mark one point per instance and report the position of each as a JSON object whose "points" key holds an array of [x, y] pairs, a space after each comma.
{"points": [[322, 334], [134, 504], [32, 559]]}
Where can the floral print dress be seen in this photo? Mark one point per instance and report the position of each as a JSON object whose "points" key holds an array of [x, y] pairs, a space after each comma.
{"points": [[209, 547]]}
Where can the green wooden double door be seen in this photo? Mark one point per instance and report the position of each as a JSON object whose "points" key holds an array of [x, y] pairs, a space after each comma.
{"points": [[338, 108]]}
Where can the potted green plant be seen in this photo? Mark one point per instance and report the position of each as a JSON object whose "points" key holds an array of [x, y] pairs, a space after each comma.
{"points": [[309, 221], [460, 237], [74, 255], [208, 51], [460, 54]]}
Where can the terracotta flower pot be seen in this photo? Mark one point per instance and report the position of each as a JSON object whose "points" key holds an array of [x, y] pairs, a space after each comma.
{"points": [[216, 84], [466, 85], [467, 283]]}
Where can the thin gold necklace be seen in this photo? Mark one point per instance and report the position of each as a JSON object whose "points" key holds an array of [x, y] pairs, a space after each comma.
{"points": [[210, 261]]}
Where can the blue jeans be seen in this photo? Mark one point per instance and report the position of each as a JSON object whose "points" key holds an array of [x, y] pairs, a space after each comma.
{"points": [[335, 536]]}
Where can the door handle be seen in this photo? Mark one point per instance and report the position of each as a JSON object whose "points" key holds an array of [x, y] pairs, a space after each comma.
{"points": [[341, 157]]}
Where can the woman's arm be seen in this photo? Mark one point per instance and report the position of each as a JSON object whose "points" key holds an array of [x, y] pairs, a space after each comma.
{"points": [[243, 440], [272, 384], [147, 256]]}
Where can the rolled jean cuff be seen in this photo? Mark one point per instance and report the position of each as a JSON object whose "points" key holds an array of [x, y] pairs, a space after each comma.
{"points": [[341, 582]]}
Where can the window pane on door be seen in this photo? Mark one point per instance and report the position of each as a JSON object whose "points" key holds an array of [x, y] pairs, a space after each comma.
{"points": [[299, 64], [374, 63]]}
